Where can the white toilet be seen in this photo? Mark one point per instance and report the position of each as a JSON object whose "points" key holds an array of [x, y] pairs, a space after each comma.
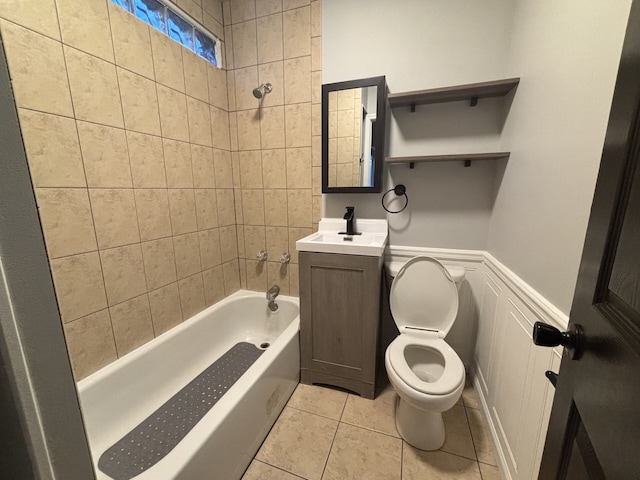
{"points": [[426, 373]]}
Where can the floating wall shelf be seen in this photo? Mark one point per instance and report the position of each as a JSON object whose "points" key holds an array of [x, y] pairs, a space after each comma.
{"points": [[471, 92], [466, 157]]}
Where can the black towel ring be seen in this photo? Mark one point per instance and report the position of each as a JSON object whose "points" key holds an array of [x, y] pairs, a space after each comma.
{"points": [[399, 190]]}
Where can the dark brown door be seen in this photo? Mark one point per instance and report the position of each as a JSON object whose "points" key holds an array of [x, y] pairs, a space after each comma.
{"points": [[594, 432]]}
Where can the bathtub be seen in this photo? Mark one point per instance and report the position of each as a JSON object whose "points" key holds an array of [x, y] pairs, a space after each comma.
{"points": [[222, 444]]}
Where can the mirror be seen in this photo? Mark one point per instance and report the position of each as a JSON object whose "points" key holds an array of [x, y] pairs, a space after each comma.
{"points": [[353, 128]]}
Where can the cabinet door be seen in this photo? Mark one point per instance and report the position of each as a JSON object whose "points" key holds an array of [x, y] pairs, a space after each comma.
{"points": [[339, 314]]}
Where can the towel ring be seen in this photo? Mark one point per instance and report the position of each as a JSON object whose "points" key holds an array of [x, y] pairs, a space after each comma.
{"points": [[399, 190]]}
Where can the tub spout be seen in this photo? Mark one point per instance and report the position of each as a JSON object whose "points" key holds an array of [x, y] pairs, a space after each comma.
{"points": [[272, 293]]}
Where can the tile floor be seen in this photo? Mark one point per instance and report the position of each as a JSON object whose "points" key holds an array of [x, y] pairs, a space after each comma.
{"points": [[326, 434]]}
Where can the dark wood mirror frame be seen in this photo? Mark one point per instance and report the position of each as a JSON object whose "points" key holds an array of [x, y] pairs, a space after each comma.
{"points": [[379, 132]]}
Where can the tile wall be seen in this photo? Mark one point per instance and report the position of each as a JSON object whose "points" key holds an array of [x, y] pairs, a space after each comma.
{"points": [[345, 121], [275, 142], [127, 138]]}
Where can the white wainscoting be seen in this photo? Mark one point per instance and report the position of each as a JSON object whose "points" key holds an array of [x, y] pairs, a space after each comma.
{"points": [[492, 336]]}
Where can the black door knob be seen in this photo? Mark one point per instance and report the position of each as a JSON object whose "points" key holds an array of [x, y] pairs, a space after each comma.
{"points": [[546, 335]]}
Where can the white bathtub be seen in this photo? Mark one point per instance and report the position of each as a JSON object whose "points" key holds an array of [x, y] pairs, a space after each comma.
{"points": [[221, 445]]}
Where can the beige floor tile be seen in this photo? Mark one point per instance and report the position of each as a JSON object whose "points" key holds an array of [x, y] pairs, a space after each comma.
{"points": [[299, 443], [262, 471], [489, 472], [481, 436], [469, 395], [319, 400], [358, 454], [458, 436], [418, 465], [378, 414]]}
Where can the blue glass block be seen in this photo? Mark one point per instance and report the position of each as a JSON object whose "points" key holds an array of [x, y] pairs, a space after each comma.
{"points": [[151, 12], [206, 47], [126, 4], [180, 30]]}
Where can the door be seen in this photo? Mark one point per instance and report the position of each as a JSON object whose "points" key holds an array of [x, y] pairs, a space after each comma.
{"points": [[594, 431]]}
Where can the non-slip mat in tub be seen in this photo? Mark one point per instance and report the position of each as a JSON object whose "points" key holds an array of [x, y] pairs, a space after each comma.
{"points": [[155, 437]]}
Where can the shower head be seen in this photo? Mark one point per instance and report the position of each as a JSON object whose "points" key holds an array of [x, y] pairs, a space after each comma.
{"points": [[262, 90]]}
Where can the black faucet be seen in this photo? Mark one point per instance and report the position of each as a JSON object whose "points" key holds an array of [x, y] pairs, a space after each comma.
{"points": [[350, 217]]}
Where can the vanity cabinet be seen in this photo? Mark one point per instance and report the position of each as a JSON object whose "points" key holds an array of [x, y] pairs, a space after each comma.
{"points": [[339, 320]]}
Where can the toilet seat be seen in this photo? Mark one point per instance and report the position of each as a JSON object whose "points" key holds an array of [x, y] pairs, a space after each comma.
{"points": [[453, 373]]}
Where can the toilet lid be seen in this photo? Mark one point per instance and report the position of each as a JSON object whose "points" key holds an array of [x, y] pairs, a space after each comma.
{"points": [[423, 295]]}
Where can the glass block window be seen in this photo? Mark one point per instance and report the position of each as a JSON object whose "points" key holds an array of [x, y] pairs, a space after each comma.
{"points": [[176, 25]]}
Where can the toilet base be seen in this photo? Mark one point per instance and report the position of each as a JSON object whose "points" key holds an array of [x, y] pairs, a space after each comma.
{"points": [[419, 428]]}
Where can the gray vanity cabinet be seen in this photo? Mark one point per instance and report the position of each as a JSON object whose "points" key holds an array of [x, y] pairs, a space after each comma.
{"points": [[339, 319]]}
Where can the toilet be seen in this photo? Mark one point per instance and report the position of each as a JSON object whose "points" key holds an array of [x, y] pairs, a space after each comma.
{"points": [[425, 371]]}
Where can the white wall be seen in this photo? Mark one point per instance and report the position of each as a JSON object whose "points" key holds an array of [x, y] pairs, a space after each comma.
{"points": [[419, 45], [567, 55]]}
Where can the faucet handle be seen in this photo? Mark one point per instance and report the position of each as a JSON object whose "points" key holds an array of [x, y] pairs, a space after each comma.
{"points": [[285, 257], [262, 255]]}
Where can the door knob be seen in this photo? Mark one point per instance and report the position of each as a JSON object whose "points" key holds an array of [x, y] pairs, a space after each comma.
{"points": [[546, 335]]}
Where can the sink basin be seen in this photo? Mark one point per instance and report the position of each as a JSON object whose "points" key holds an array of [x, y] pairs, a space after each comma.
{"points": [[371, 242]]}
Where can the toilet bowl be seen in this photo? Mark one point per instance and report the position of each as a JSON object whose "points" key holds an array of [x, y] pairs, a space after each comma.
{"points": [[424, 370]]}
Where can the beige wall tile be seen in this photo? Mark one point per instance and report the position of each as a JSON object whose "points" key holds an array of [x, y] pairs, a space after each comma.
{"points": [[237, 195], [217, 79], [253, 206], [112, 215], [231, 92], [131, 42], [223, 169], [90, 343], [274, 168], [213, 8], [316, 181], [177, 160], [94, 88], [213, 280], [231, 275], [53, 150], [228, 243], [242, 10], [255, 241], [235, 164], [246, 79], [242, 270], [206, 208], [182, 207], [37, 68], [220, 128], [290, 4], [79, 285], [192, 8], [233, 131], [229, 63], [199, 122], [316, 119], [316, 150], [299, 207], [202, 162], [295, 234], [296, 31], [38, 16], [277, 242], [191, 295], [248, 130], [226, 208], [210, 248], [159, 262], [240, 236], [269, 37], [147, 160], [256, 275], [66, 219], [105, 156], [275, 213], [268, 7], [167, 61], [245, 52], [132, 326], [187, 252], [213, 25], [316, 19], [152, 206], [298, 167], [316, 88], [345, 150], [85, 25], [298, 125], [297, 80], [272, 127], [173, 114], [272, 73], [251, 169], [123, 271], [316, 53], [278, 274], [139, 103], [166, 311], [195, 75], [294, 280]]}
